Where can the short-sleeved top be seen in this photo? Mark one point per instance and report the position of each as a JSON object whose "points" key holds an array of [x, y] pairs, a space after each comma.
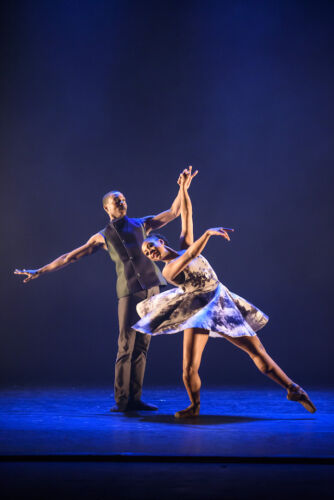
{"points": [[135, 272]]}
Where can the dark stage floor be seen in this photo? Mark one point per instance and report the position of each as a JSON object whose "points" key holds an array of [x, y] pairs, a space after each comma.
{"points": [[233, 423], [65, 443]]}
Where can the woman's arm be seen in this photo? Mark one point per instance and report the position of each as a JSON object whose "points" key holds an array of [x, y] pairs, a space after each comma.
{"points": [[174, 268], [187, 232]]}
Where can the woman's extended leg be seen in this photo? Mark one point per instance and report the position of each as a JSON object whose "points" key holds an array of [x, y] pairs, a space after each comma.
{"points": [[254, 348], [194, 341]]}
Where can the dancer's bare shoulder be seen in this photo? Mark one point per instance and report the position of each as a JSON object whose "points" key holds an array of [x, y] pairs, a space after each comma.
{"points": [[97, 240], [175, 266]]}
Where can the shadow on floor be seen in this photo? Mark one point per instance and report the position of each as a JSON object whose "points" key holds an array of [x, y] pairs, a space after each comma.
{"points": [[204, 419], [200, 420]]}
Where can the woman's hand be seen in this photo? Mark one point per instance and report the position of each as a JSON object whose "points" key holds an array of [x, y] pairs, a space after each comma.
{"points": [[219, 231], [186, 177], [30, 273]]}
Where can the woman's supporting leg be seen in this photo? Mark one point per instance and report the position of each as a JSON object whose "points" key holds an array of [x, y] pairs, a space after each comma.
{"points": [[194, 341], [254, 348]]}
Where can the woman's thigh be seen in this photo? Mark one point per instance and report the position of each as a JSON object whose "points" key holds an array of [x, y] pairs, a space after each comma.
{"points": [[251, 345]]}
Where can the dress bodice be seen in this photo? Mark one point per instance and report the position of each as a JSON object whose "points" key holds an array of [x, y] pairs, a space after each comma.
{"points": [[198, 275]]}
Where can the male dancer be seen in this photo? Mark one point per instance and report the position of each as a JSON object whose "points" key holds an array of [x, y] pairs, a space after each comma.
{"points": [[137, 279]]}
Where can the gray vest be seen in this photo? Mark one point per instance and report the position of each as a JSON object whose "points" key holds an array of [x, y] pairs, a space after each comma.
{"points": [[135, 272]]}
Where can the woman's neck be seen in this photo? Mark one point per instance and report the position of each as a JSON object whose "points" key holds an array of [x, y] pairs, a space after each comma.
{"points": [[170, 255]]}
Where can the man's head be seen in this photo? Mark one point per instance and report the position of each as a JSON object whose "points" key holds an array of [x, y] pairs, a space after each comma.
{"points": [[114, 203], [154, 247]]}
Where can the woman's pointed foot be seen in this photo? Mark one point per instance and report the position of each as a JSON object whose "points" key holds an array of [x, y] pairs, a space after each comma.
{"points": [[296, 393], [191, 411]]}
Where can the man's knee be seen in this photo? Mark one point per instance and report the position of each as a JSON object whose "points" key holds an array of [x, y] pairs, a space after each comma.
{"points": [[142, 343], [126, 339], [123, 356], [125, 350]]}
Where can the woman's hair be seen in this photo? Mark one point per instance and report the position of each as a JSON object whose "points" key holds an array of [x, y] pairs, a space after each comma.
{"points": [[159, 237]]}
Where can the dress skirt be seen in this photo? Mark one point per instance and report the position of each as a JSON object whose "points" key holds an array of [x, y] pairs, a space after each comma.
{"points": [[217, 310]]}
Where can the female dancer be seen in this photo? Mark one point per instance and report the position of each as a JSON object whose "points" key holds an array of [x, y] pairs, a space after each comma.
{"points": [[203, 307]]}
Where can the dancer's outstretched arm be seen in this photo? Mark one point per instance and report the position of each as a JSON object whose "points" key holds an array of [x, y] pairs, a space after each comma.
{"points": [[172, 269], [94, 243], [167, 216], [187, 231]]}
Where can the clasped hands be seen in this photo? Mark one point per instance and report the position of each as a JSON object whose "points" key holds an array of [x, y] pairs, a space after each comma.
{"points": [[186, 177]]}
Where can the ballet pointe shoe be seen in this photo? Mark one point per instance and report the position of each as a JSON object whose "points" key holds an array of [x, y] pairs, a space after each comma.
{"points": [[191, 411], [296, 393]]}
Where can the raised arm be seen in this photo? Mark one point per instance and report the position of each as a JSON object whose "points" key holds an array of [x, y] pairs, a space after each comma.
{"points": [[93, 244], [167, 216], [172, 269], [187, 232]]}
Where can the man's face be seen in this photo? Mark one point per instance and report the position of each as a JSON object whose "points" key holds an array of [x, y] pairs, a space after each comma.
{"points": [[116, 205]]}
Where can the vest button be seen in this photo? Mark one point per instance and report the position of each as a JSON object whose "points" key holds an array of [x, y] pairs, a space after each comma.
{"points": [[138, 274], [131, 258]]}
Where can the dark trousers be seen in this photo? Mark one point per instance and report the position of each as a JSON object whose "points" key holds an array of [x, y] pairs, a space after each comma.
{"points": [[132, 349]]}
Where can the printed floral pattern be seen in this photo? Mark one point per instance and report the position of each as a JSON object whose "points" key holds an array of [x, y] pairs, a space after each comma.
{"points": [[199, 275], [200, 301]]}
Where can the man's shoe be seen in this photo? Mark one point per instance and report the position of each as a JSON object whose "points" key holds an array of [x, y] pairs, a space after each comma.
{"points": [[118, 409], [140, 405]]}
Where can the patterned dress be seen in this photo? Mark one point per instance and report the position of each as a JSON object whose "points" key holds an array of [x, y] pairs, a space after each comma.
{"points": [[199, 301]]}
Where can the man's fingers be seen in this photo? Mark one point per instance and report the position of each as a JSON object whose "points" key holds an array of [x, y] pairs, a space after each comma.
{"points": [[24, 271], [187, 171], [187, 175], [18, 271], [184, 172]]}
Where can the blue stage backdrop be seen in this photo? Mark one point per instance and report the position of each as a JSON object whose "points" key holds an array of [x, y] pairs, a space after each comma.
{"points": [[101, 95]]}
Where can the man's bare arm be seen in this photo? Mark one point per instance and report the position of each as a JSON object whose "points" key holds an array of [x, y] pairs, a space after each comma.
{"points": [[167, 216], [96, 242]]}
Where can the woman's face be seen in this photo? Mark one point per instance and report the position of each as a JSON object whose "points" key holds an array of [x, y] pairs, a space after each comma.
{"points": [[153, 248]]}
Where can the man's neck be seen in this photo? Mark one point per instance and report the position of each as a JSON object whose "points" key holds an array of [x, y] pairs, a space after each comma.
{"points": [[114, 219]]}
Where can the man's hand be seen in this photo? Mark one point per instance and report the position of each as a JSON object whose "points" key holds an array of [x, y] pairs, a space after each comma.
{"points": [[186, 177], [31, 274]]}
